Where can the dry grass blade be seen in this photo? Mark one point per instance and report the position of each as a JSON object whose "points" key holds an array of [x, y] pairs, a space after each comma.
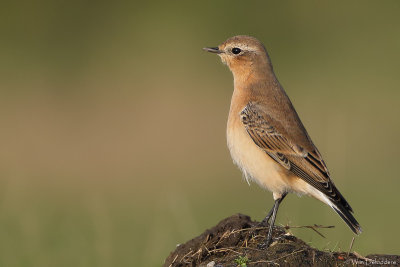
{"points": [[249, 229], [277, 259], [224, 250], [312, 227], [351, 246], [359, 256]]}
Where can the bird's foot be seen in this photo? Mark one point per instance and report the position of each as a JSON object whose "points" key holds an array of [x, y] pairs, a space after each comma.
{"points": [[268, 240], [271, 241], [265, 244]]}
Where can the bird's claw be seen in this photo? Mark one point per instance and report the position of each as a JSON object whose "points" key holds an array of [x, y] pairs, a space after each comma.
{"points": [[264, 245]]}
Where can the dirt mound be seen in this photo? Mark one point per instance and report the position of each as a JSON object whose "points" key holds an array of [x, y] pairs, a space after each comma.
{"points": [[235, 242]]}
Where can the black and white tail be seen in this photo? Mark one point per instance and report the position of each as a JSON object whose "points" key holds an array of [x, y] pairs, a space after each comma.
{"points": [[342, 207]]}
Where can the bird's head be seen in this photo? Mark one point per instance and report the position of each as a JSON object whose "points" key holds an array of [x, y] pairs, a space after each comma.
{"points": [[243, 54]]}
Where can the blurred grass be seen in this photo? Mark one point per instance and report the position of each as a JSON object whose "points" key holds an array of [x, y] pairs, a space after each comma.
{"points": [[113, 124]]}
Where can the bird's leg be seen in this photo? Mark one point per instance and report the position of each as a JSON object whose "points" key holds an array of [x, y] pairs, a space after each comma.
{"points": [[273, 211], [266, 219]]}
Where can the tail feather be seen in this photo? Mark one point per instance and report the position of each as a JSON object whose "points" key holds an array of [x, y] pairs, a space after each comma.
{"points": [[339, 204], [342, 207], [348, 218]]}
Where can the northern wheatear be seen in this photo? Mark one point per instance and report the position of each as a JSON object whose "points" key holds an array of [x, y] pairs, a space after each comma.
{"points": [[265, 136]]}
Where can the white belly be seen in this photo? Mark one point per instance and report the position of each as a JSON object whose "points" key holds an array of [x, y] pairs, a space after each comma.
{"points": [[254, 162]]}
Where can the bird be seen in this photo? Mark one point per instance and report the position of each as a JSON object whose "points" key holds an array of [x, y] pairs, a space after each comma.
{"points": [[266, 138]]}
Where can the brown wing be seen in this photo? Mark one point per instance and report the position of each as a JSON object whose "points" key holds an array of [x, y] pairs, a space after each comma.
{"points": [[306, 164]]}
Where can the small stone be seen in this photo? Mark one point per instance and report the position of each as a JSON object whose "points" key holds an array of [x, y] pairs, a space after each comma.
{"points": [[211, 264]]}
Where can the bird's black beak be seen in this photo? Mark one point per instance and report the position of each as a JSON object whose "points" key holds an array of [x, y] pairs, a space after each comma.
{"points": [[213, 50]]}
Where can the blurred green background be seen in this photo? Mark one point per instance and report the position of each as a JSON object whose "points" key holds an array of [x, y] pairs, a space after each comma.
{"points": [[113, 123]]}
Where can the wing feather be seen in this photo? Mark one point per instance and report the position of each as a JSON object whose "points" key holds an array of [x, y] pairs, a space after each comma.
{"points": [[306, 164]]}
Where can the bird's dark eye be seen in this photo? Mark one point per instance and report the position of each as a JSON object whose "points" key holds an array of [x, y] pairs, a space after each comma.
{"points": [[236, 50]]}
